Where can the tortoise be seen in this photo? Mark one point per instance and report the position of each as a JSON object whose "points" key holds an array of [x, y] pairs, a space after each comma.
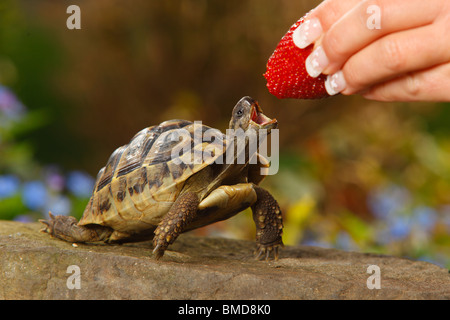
{"points": [[151, 188]]}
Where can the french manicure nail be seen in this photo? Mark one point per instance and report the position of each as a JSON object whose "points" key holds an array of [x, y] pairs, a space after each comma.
{"points": [[316, 62], [335, 83], [307, 33]]}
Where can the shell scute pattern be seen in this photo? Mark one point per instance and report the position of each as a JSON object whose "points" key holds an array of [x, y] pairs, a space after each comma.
{"points": [[105, 175], [141, 180]]}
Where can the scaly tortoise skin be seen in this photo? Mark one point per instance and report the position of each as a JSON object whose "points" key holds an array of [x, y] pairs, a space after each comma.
{"points": [[143, 192]]}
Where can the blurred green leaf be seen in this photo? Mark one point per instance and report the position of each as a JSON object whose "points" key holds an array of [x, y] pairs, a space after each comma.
{"points": [[33, 120], [360, 231], [11, 207]]}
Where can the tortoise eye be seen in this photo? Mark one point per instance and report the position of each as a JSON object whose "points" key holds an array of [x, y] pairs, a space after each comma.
{"points": [[239, 113]]}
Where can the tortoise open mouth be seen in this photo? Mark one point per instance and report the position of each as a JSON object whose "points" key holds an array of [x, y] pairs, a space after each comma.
{"points": [[261, 120]]}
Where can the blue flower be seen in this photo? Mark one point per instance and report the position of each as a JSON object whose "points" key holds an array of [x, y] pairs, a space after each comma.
{"points": [[387, 201], [80, 183], [425, 218], [34, 195], [60, 205], [437, 259], [399, 227], [316, 243], [9, 185], [345, 242]]}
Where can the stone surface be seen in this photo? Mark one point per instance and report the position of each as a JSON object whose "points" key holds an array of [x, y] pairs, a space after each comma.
{"points": [[34, 266]]}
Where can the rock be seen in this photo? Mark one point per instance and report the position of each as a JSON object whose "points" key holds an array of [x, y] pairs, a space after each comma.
{"points": [[35, 266]]}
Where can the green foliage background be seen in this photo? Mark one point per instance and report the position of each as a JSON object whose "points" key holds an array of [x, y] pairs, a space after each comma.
{"points": [[354, 174]]}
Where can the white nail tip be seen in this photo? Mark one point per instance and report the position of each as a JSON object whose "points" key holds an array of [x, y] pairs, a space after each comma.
{"points": [[307, 33], [335, 83], [316, 62], [300, 35], [312, 67], [329, 88]]}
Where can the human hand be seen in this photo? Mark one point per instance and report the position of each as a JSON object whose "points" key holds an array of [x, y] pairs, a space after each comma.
{"points": [[406, 57]]}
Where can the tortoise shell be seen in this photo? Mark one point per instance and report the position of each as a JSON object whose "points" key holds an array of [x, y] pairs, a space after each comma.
{"points": [[142, 179]]}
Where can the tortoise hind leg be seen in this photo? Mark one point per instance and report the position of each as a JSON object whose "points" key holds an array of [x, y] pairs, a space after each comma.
{"points": [[67, 228]]}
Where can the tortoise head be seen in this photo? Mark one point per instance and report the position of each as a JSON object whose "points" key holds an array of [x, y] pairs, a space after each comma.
{"points": [[247, 114]]}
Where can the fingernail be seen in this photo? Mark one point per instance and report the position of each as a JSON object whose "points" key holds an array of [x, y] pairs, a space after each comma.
{"points": [[335, 83], [316, 62], [307, 33]]}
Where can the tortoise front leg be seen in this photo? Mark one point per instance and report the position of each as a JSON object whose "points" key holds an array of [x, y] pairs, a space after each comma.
{"points": [[182, 212], [269, 223]]}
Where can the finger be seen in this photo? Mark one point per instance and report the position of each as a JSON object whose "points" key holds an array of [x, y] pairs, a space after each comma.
{"points": [[394, 55], [320, 19], [330, 11], [371, 20], [432, 84]]}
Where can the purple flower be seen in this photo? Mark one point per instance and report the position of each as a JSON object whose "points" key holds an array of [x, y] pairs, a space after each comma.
{"points": [[23, 218], [80, 183], [34, 195], [54, 179], [9, 104], [9, 185]]}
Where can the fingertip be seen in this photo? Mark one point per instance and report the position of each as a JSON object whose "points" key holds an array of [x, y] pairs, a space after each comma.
{"points": [[335, 83], [306, 33]]}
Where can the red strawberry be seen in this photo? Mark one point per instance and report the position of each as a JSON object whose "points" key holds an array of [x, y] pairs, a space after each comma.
{"points": [[286, 73]]}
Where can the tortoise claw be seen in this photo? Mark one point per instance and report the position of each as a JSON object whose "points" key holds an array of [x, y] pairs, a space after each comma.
{"points": [[158, 252], [48, 228], [47, 225], [265, 250]]}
